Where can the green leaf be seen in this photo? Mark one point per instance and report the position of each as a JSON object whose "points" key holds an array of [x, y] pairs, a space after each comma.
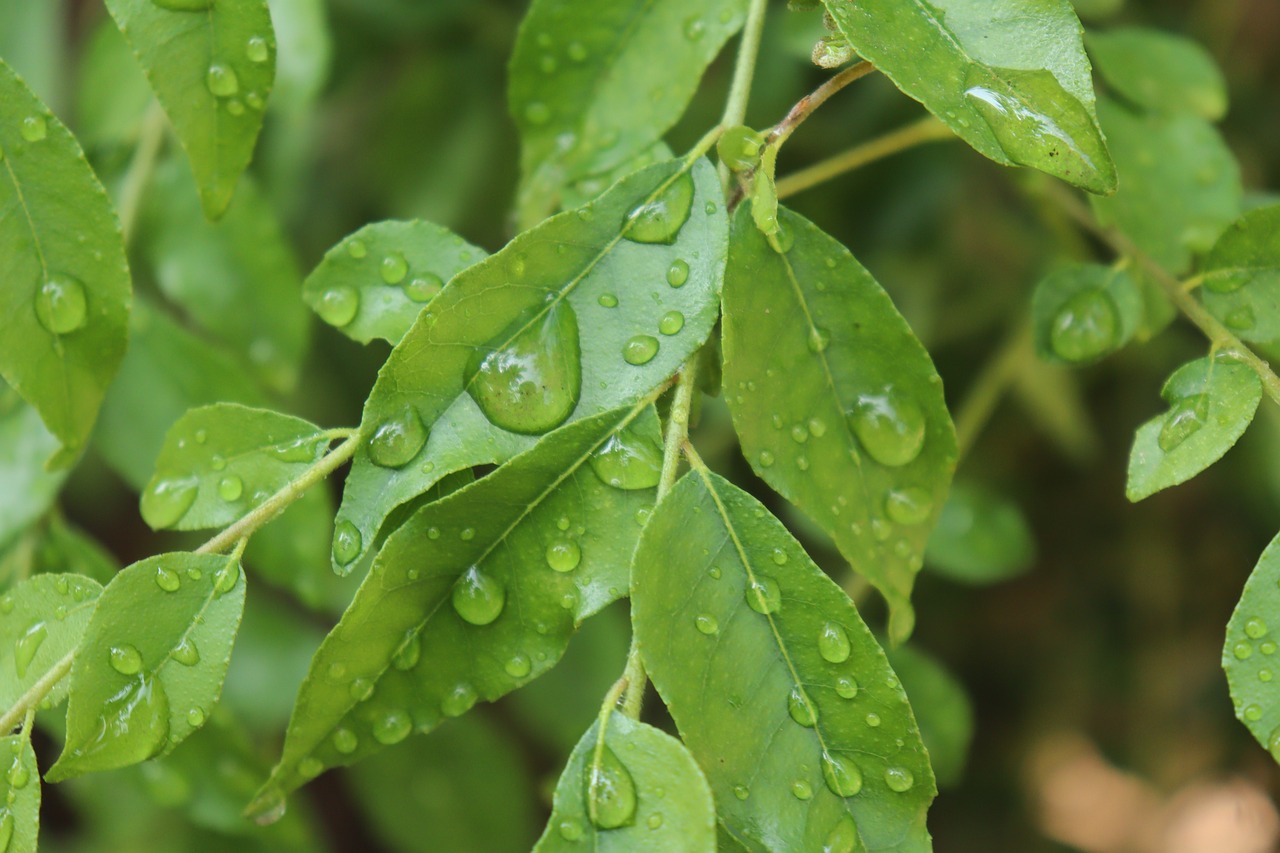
{"points": [[837, 405], [628, 282], [1160, 72], [375, 282], [29, 490], [152, 661], [1010, 77], [630, 787], [579, 193], [1211, 403], [1097, 9], [981, 537], [304, 54], [1242, 276], [168, 371], [588, 91], [66, 289], [1180, 185], [54, 547], [476, 595], [292, 552], [776, 685], [1249, 653], [211, 66], [112, 95], [219, 462], [1082, 312], [20, 787], [464, 791], [942, 709], [44, 619], [32, 42]]}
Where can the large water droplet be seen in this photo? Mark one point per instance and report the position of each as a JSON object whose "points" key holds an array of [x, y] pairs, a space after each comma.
{"points": [[530, 380], [611, 792], [763, 595], [61, 305], [230, 488], [1183, 420], [911, 505], [628, 460], [671, 323], [477, 597], [394, 268], [26, 646], [899, 779], [660, 220], [564, 556], [392, 727], [347, 543], [186, 652], [678, 273], [423, 288], [833, 643], [398, 439], [134, 721], [406, 657], [125, 659], [841, 775], [222, 81], [640, 349], [1085, 327], [889, 426], [167, 579], [843, 837], [34, 128], [166, 502], [518, 666], [225, 580], [801, 708], [257, 49], [458, 701], [1255, 628], [339, 305]]}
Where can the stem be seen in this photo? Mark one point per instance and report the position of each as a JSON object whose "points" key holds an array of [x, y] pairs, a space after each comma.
{"points": [[735, 106], [634, 681], [925, 130], [810, 102], [36, 692], [277, 503], [150, 139], [677, 426], [989, 387]]}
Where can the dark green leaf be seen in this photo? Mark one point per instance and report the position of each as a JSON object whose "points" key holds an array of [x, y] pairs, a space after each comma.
{"points": [[1180, 186], [836, 403], [1160, 72], [44, 618], [476, 594], [20, 788], [632, 787], [25, 443], [629, 282], [219, 462], [941, 707], [66, 289], [211, 66], [1083, 312], [981, 538], [775, 683], [375, 282], [1242, 276], [1009, 77], [151, 664], [1211, 403], [1249, 654], [588, 91]]}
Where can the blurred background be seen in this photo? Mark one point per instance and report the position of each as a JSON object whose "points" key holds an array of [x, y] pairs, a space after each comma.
{"points": [[1066, 662]]}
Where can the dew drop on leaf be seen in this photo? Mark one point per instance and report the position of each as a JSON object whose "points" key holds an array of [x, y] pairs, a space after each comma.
{"points": [[391, 727], [607, 300], [899, 779], [195, 717], [889, 426], [570, 830], [611, 792], [846, 687], [518, 666], [706, 623], [842, 776], [563, 556], [819, 339], [477, 597], [1255, 628], [230, 488], [458, 701], [911, 505], [678, 273], [361, 689], [640, 349], [423, 288], [393, 268], [257, 49], [339, 305], [186, 652], [125, 659], [833, 643], [225, 580], [801, 708], [801, 789], [398, 439], [873, 719], [628, 461], [347, 543], [406, 657], [26, 646], [660, 219], [1085, 327], [763, 595], [1183, 420], [61, 305], [671, 323], [222, 80], [843, 837], [741, 792], [345, 741], [34, 128], [166, 502]]}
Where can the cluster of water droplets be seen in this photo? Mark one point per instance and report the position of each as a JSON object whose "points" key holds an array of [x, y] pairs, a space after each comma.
{"points": [[1256, 638], [340, 304], [1184, 419]]}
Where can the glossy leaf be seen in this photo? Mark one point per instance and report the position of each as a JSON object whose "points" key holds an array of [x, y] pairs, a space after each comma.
{"points": [[43, 619], [20, 788], [1242, 276], [585, 89], [375, 282], [25, 443], [776, 685], [1160, 72], [211, 66], [981, 537], [1211, 403], [219, 462], [1083, 312], [632, 788], [236, 278], [152, 661], [66, 289], [1010, 77], [472, 597], [837, 405], [1249, 653], [501, 335], [942, 708], [1180, 186]]}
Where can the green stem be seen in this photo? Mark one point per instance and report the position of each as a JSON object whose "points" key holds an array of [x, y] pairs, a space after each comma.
{"points": [[150, 140], [805, 106], [735, 106], [35, 693], [925, 130], [985, 392], [678, 426]]}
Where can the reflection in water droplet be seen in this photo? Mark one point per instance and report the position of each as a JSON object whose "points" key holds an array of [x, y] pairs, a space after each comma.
{"points": [[801, 708], [842, 776], [195, 717], [167, 579], [873, 719], [125, 659], [34, 128], [345, 741], [458, 701], [563, 556], [392, 727], [339, 305], [763, 595], [347, 543], [911, 505], [1086, 326], [671, 323], [186, 652], [257, 49], [398, 439], [741, 791], [423, 288], [1255, 628], [225, 580], [518, 666], [230, 488], [61, 304], [899, 779], [477, 597], [1183, 420], [26, 646], [393, 268], [607, 300], [628, 460], [166, 502], [222, 81], [611, 792], [678, 273], [570, 830], [706, 623], [890, 427], [660, 220], [846, 687], [833, 643], [1242, 651], [801, 789], [640, 349]]}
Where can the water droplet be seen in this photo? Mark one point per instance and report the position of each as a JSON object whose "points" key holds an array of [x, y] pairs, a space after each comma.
{"points": [[18, 777], [34, 128], [843, 837], [678, 273], [195, 717], [833, 643], [398, 439], [802, 462], [577, 52], [889, 426], [1264, 675], [225, 580], [842, 776], [570, 830], [392, 727], [26, 646], [393, 268], [361, 689], [671, 323], [61, 304], [817, 428], [846, 687], [167, 579], [518, 666], [1267, 648], [801, 708], [406, 657], [899, 779], [1253, 713], [230, 488], [706, 623], [537, 113], [563, 556], [345, 741], [310, 767], [607, 300], [766, 459], [640, 349], [819, 339], [186, 652], [1183, 420], [873, 719], [660, 220], [458, 701], [166, 502], [741, 791], [423, 288], [347, 543], [477, 597], [779, 557], [338, 305], [763, 595], [911, 505], [1255, 628], [1242, 651], [611, 792], [357, 248], [530, 381], [1085, 327], [628, 460], [125, 659], [257, 49], [467, 534], [222, 81]]}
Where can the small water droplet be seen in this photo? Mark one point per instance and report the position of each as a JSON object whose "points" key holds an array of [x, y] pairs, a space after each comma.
{"points": [[889, 426], [873, 719], [1253, 713], [706, 623], [1255, 628], [458, 701], [398, 439], [1085, 327], [671, 323], [392, 727], [407, 655], [345, 741], [766, 459], [361, 689], [258, 50], [34, 128], [230, 488], [801, 789], [393, 268], [833, 643], [741, 791], [125, 659], [195, 717], [640, 349], [801, 708], [570, 830], [222, 81], [899, 779], [347, 543], [423, 288], [357, 248], [577, 52], [563, 556], [1242, 651], [607, 300], [478, 598], [186, 652], [842, 776], [678, 273], [911, 505], [518, 666], [61, 305], [1183, 420], [467, 534], [660, 219], [763, 595], [167, 579], [846, 687]]}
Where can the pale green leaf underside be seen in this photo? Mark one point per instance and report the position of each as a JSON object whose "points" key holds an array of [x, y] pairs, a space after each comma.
{"points": [[25, 444], [1010, 77], [1249, 654], [44, 618], [1242, 276], [374, 282], [593, 84], [212, 71], [151, 664], [672, 810], [1082, 312], [619, 290], [219, 462], [1212, 402], [710, 563], [472, 597], [65, 299], [1160, 72], [20, 790], [836, 403], [981, 537]]}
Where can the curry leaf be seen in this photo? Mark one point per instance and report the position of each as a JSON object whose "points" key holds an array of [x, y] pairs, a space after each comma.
{"points": [[20, 788], [44, 618], [1160, 72], [1082, 312], [25, 443], [1249, 654], [1242, 276], [981, 537]]}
